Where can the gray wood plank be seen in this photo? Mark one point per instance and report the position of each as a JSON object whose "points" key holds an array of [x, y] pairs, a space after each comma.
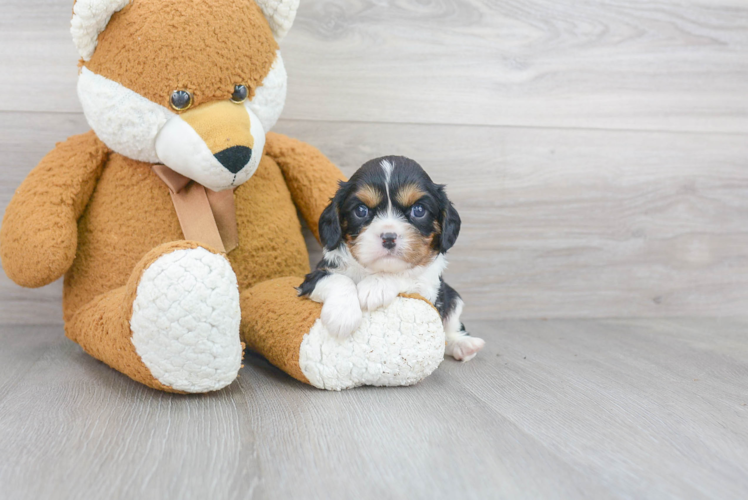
{"points": [[557, 223], [578, 223], [667, 65], [550, 409]]}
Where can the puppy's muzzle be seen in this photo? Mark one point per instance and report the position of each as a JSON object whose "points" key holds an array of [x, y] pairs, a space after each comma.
{"points": [[389, 240]]}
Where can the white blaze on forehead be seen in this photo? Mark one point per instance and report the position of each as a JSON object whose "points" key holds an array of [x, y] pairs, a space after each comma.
{"points": [[388, 168]]}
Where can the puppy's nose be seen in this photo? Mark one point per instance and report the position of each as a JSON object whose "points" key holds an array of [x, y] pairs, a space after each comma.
{"points": [[234, 158], [388, 240]]}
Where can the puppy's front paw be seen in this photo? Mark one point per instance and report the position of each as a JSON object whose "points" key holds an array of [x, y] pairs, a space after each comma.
{"points": [[464, 348], [375, 292], [341, 315]]}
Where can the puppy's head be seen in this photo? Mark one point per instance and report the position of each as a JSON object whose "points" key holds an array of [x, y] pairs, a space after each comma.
{"points": [[391, 216]]}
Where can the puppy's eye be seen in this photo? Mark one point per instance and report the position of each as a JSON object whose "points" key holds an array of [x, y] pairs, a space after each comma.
{"points": [[417, 211], [240, 93], [180, 100], [361, 211]]}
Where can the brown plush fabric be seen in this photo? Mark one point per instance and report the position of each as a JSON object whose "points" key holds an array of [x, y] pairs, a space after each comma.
{"points": [[100, 218], [270, 241], [313, 185], [275, 320], [221, 124], [38, 237], [205, 47], [102, 327], [131, 213], [129, 220]]}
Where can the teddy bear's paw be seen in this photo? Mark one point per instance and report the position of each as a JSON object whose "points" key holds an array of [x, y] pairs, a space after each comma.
{"points": [[185, 320], [399, 344]]}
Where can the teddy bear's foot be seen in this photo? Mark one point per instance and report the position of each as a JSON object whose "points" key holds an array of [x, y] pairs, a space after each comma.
{"points": [[400, 344], [185, 320], [174, 326]]}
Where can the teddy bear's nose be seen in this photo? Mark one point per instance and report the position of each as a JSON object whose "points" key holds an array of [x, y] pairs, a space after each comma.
{"points": [[234, 158]]}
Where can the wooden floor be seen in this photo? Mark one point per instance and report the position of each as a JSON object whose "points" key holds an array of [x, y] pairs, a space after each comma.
{"points": [[596, 409], [598, 154]]}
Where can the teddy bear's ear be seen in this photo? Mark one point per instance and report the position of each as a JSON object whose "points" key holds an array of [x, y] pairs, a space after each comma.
{"points": [[90, 17], [280, 15]]}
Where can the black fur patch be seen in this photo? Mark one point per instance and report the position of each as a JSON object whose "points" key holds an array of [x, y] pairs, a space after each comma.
{"points": [[330, 232], [450, 221], [311, 279], [446, 301], [310, 282]]}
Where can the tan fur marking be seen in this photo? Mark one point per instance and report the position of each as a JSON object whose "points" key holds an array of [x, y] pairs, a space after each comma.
{"points": [[352, 245], [370, 196], [419, 249], [409, 194]]}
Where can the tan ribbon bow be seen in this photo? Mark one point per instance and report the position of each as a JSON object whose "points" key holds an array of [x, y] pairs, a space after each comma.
{"points": [[208, 217]]}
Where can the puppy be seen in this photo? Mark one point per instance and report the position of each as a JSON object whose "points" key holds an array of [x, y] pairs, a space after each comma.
{"points": [[386, 232]]}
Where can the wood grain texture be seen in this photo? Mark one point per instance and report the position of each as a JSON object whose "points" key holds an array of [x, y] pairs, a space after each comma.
{"points": [[665, 65], [513, 105], [624, 64], [563, 223], [556, 223], [550, 409]]}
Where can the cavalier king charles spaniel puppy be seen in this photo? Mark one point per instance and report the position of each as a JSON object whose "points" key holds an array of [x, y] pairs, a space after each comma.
{"points": [[386, 232]]}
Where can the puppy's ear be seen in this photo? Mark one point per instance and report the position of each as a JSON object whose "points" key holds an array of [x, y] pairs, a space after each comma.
{"points": [[450, 222], [330, 232]]}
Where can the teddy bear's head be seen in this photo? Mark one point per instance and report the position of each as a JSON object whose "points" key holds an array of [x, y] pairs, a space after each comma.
{"points": [[192, 84]]}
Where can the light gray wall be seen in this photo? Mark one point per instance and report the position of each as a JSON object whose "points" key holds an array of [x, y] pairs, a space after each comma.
{"points": [[597, 151]]}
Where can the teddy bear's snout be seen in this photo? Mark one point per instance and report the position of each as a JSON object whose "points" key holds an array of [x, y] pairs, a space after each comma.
{"points": [[217, 144], [234, 158]]}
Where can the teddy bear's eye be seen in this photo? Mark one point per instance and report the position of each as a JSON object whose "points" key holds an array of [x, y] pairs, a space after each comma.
{"points": [[240, 93], [180, 100]]}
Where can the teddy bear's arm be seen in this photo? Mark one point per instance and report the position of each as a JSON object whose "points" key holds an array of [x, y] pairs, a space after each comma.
{"points": [[310, 176], [39, 235]]}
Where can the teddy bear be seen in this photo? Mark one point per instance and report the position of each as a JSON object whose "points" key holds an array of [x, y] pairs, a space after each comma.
{"points": [[175, 220]]}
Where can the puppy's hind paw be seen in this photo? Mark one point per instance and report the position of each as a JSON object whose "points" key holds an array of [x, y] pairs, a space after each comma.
{"points": [[341, 315], [464, 348]]}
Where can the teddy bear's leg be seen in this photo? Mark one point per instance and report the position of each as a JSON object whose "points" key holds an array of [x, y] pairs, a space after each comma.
{"points": [[397, 345], [174, 326]]}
